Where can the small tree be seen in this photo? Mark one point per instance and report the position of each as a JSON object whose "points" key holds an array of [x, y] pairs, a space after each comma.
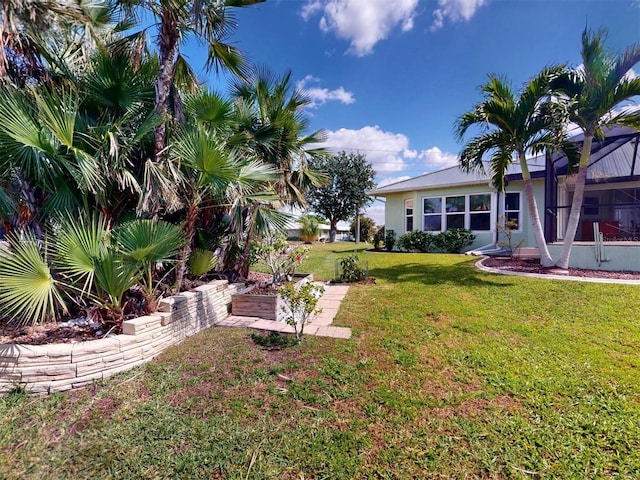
{"points": [[378, 238], [367, 227], [281, 259], [349, 178], [507, 228], [299, 304], [389, 239], [309, 228]]}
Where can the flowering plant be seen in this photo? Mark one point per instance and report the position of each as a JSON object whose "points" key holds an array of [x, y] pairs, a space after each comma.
{"points": [[281, 259]]}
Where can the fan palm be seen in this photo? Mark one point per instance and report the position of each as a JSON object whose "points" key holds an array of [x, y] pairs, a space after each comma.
{"points": [[592, 92], [209, 21], [147, 243], [202, 261], [509, 125], [85, 257], [213, 174], [271, 126], [41, 36], [29, 293], [39, 150]]}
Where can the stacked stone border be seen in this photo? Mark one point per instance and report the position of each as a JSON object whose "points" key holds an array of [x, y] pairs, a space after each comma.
{"points": [[44, 369]]}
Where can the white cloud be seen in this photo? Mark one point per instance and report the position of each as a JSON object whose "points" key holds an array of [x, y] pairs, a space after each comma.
{"points": [[382, 149], [362, 23], [436, 159], [455, 11], [630, 75], [310, 8], [376, 212], [319, 96]]}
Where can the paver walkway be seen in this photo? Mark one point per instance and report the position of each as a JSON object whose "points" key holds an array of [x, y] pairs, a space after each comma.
{"points": [[320, 324]]}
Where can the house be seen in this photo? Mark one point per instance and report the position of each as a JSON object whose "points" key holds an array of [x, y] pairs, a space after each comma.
{"points": [[343, 228], [450, 198]]}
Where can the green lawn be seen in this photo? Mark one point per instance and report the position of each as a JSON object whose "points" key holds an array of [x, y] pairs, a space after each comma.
{"points": [[451, 373]]}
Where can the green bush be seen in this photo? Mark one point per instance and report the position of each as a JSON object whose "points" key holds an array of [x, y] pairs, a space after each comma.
{"points": [[389, 240], [416, 240], [351, 271], [454, 240]]}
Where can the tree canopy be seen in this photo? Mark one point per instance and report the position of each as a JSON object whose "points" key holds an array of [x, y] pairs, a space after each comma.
{"points": [[349, 179]]}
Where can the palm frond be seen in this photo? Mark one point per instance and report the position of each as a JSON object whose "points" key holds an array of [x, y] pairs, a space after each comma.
{"points": [[28, 291], [80, 242], [202, 261]]}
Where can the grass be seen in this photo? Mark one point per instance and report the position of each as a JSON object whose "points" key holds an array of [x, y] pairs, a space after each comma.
{"points": [[451, 373]]}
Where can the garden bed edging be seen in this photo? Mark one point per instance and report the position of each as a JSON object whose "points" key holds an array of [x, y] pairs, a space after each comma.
{"points": [[44, 369], [269, 307]]}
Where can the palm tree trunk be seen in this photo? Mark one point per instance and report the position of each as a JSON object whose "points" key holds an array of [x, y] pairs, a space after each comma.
{"points": [[189, 233], [169, 36], [545, 256], [576, 204]]}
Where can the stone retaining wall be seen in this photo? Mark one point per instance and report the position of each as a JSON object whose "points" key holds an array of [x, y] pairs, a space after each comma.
{"points": [[44, 369]]}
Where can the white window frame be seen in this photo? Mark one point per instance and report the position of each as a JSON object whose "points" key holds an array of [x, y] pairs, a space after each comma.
{"points": [[407, 216], [520, 211], [467, 212]]}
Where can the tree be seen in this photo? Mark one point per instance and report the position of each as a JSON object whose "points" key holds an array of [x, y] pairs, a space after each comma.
{"points": [[309, 228], [592, 91], [509, 125], [271, 126], [349, 178], [367, 228], [209, 21]]}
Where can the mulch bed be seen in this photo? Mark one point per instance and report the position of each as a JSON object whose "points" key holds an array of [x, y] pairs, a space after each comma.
{"points": [[533, 266]]}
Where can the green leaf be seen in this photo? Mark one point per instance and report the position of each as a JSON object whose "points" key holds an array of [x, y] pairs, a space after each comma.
{"points": [[28, 291]]}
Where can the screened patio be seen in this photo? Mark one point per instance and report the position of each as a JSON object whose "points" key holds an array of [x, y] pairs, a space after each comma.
{"points": [[612, 191]]}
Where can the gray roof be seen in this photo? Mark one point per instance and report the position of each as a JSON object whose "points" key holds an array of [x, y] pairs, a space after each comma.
{"points": [[617, 156], [452, 177]]}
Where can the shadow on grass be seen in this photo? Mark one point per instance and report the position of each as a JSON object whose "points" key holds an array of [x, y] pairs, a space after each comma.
{"points": [[274, 340], [348, 251], [459, 274]]}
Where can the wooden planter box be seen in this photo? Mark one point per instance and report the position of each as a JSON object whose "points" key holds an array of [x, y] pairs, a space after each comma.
{"points": [[268, 307]]}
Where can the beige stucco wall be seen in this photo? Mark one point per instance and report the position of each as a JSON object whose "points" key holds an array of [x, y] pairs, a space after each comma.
{"points": [[395, 217]]}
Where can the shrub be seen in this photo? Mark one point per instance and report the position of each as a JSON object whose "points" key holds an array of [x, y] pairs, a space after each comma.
{"points": [[300, 304], [350, 269], [310, 228], [389, 240], [378, 238], [416, 240], [507, 228], [454, 240], [281, 259]]}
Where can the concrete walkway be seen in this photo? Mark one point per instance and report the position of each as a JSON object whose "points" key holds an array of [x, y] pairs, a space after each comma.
{"points": [[319, 325]]}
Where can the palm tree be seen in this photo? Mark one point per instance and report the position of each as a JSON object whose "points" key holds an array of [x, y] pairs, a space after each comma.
{"points": [[272, 127], [37, 36], [510, 125], [592, 92], [211, 22]]}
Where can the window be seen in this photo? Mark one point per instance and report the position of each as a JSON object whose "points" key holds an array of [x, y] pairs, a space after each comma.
{"points": [[472, 212], [408, 215], [512, 208], [432, 208], [455, 212], [480, 212]]}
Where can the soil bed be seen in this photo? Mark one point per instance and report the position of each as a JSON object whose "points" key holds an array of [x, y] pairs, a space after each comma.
{"points": [[75, 328], [533, 266]]}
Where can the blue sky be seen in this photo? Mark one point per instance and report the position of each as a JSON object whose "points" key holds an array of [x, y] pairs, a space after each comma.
{"points": [[388, 78]]}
